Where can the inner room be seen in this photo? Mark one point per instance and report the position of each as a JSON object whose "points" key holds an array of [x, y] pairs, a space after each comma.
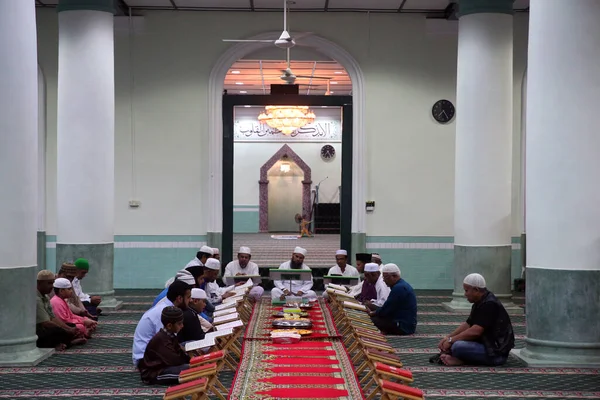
{"points": [[299, 199]]}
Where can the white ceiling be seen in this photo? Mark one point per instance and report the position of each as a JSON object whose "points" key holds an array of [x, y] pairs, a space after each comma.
{"points": [[407, 6]]}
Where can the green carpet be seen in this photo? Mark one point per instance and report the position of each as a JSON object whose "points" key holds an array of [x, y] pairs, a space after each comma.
{"points": [[102, 369]]}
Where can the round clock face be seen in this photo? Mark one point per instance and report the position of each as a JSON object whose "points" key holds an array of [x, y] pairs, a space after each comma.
{"points": [[443, 111], [327, 152]]}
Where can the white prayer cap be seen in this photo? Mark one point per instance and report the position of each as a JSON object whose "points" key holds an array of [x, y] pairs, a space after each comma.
{"points": [[215, 251], [199, 294], [376, 256], [62, 283], [245, 250], [213, 263], [371, 267], [185, 276], [207, 250], [475, 280], [390, 269], [300, 250], [341, 253]]}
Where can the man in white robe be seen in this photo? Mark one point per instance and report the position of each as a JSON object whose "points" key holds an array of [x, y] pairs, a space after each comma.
{"points": [[243, 266], [216, 294], [342, 268], [202, 255], [373, 277], [298, 288]]}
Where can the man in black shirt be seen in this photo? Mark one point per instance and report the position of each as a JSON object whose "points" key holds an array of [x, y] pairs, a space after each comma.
{"points": [[486, 337], [192, 330]]}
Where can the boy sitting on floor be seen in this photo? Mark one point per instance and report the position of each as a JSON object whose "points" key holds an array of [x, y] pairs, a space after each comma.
{"points": [[164, 358]]}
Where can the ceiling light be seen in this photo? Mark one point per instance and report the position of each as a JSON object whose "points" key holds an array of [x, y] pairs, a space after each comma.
{"points": [[243, 92], [285, 167], [239, 83], [333, 83], [332, 91], [338, 72], [286, 119], [237, 72], [247, 106]]}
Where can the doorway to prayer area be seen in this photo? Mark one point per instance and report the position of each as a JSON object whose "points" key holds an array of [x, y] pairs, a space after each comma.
{"points": [[288, 186]]}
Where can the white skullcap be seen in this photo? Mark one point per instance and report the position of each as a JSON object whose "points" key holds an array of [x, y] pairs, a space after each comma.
{"points": [[341, 253], [185, 276], [300, 250], [215, 251], [371, 267], [377, 256], [199, 294], [390, 269], [245, 250], [213, 263], [207, 250], [475, 280], [62, 283]]}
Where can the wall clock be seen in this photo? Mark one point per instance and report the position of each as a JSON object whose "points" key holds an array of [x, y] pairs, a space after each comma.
{"points": [[327, 152], [443, 111]]}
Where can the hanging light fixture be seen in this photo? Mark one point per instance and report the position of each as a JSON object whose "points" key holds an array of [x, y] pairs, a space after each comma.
{"points": [[286, 118], [285, 167]]}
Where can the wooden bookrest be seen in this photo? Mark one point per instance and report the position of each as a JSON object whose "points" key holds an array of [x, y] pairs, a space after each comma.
{"points": [[196, 389], [379, 370], [394, 391]]}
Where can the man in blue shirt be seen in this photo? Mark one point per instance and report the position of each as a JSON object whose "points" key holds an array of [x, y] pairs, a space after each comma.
{"points": [[398, 315], [178, 295]]}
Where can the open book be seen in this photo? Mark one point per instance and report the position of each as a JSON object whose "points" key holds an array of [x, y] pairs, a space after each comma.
{"points": [[339, 293], [229, 325], [224, 306], [226, 318], [337, 287], [226, 311], [233, 299], [355, 306], [200, 344]]}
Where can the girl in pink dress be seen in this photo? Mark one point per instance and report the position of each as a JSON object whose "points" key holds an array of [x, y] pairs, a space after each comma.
{"points": [[64, 290]]}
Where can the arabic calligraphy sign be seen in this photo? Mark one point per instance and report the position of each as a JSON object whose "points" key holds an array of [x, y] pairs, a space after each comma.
{"points": [[326, 128]]}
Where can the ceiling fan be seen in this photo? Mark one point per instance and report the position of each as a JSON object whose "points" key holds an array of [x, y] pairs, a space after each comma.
{"points": [[290, 78], [285, 40]]}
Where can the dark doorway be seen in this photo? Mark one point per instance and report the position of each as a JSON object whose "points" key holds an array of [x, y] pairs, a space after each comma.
{"points": [[229, 104]]}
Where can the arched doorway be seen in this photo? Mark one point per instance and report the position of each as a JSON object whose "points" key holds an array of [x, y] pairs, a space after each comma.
{"points": [[215, 142]]}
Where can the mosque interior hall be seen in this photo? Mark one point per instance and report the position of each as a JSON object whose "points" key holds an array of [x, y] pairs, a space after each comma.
{"points": [[299, 199]]}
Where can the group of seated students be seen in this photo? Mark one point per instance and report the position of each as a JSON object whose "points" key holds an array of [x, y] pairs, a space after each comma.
{"points": [[65, 315], [183, 311]]}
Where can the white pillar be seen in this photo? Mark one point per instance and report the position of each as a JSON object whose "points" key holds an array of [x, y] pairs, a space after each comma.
{"points": [[484, 123], [41, 193], [18, 184], [563, 194], [85, 142]]}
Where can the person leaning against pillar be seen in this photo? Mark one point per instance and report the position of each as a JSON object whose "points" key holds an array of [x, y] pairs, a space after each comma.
{"points": [[487, 336]]}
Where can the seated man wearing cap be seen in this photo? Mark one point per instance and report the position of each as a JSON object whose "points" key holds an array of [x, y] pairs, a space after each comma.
{"points": [[164, 359], [90, 303], [215, 293], [298, 288], [374, 290], [487, 336], [182, 275], [243, 267], [376, 258], [178, 295], [342, 268], [202, 255], [63, 290], [52, 331], [216, 254], [398, 315], [192, 330]]}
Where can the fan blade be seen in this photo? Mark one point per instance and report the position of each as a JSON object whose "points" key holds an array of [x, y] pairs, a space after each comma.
{"points": [[248, 41], [312, 77], [301, 35]]}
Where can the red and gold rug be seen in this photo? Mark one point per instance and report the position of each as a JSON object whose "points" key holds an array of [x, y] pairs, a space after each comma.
{"points": [[260, 325], [306, 370]]}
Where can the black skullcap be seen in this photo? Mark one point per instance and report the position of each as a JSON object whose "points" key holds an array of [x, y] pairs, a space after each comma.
{"points": [[364, 257], [171, 315]]}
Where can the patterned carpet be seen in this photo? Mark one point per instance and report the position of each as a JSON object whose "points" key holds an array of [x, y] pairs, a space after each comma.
{"points": [[102, 369]]}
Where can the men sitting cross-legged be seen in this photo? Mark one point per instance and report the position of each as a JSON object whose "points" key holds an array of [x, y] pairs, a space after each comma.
{"points": [[52, 331], [69, 271], [63, 290], [487, 336], [342, 268], [178, 295], [298, 288], [243, 266], [398, 315], [164, 358], [374, 291]]}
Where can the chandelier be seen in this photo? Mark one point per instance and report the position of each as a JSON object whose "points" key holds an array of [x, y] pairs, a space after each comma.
{"points": [[286, 118]]}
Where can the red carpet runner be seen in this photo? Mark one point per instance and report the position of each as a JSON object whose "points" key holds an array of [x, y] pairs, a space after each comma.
{"points": [[316, 368]]}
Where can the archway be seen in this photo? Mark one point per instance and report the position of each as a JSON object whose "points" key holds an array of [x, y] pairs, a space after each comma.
{"points": [[263, 208], [215, 129]]}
